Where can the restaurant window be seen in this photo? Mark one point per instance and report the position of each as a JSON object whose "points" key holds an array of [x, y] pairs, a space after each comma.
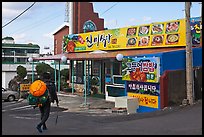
{"points": [[108, 68], [117, 68], [79, 72]]}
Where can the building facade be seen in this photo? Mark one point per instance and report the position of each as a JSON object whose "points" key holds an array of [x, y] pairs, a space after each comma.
{"points": [[77, 24], [18, 53], [14, 55]]}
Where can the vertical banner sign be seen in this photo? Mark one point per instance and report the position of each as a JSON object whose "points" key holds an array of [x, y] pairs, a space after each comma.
{"points": [[141, 69], [196, 28], [147, 93]]}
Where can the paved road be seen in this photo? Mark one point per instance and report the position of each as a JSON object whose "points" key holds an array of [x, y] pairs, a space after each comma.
{"points": [[20, 119]]}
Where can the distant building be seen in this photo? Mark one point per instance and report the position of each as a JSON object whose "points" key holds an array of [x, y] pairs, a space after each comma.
{"points": [[17, 53], [14, 55], [82, 19], [8, 40]]}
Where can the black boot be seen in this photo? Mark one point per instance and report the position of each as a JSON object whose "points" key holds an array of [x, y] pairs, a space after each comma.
{"points": [[44, 127], [39, 128]]}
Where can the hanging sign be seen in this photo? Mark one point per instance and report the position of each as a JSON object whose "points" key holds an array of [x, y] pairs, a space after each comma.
{"points": [[196, 28]]}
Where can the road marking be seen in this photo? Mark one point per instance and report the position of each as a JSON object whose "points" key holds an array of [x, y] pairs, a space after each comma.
{"points": [[25, 117], [21, 107], [12, 104]]}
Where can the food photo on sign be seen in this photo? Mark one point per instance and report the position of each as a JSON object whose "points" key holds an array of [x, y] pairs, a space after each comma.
{"points": [[144, 41], [69, 42], [131, 32], [157, 28], [172, 27], [131, 42], [172, 39], [157, 40], [143, 31]]}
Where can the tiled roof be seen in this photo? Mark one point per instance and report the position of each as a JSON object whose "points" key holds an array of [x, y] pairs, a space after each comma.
{"points": [[8, 45], [7, 38]]}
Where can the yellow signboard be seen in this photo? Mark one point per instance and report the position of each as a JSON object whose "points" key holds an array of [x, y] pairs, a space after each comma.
{"points": [[160, 34], [24, 87], [146, 100]]}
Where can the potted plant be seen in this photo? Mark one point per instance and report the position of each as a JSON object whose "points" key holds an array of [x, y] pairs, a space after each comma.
{"points": [[94, 84]]}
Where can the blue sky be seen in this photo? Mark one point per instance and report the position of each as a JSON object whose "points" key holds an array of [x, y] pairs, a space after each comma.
{"points": [[38, 23]]}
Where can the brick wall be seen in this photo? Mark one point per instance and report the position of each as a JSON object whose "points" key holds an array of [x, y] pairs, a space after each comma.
{"points": [[59, 37], [83, 11]]}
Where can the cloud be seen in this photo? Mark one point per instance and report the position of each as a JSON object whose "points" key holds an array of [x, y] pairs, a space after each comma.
{"points": [[147, 19], [110, 24], [48, 35], [12, 9], [133, 20], [23, 39], [19, 38]]}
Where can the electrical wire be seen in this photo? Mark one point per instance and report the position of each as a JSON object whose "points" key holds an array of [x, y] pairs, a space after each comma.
{"points": [[35, 25], [19, 15], [109, 8]]}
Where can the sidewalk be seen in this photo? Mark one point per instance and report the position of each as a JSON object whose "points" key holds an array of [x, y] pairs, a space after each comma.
{"points": [[98, 106], [78, 103]]}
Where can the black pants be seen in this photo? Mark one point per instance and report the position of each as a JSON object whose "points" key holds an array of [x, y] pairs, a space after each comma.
{"points": [[45, 112]]}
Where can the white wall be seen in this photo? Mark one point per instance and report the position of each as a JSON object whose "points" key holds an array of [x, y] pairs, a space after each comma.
{"points": [[6, 77]]}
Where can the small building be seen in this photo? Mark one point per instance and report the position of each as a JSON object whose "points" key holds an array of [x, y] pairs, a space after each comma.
{"points": [[14, 55], [18, 53]]}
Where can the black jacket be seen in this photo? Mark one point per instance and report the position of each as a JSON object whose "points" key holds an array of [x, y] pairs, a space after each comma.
{"points": [[52, 91]]}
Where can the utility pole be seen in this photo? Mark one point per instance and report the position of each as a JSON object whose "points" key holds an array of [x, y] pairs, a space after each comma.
{"points": [[189, 67]]}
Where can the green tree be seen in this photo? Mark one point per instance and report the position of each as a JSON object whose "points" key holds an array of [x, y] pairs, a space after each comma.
{"points": [[43, 67], [64, 77], [21, 71], [65, 73]]}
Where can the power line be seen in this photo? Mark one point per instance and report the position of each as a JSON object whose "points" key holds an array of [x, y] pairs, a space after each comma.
{"points": [[36, 24], [109, 8], [19, 15]]}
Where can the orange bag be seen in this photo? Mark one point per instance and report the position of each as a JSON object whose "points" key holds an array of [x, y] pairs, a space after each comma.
{"points": [[38, 88]]}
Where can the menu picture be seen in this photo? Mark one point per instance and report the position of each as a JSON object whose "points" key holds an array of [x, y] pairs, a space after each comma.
{"points": [[172, 27], [131, 31], [131, 42], [157, 40], [172, 39], [144, 41], [143, 31], [157, 28]]}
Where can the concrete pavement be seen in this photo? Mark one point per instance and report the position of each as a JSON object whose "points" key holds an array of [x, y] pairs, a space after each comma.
{"points": [[91, 105], [98, 106]]}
